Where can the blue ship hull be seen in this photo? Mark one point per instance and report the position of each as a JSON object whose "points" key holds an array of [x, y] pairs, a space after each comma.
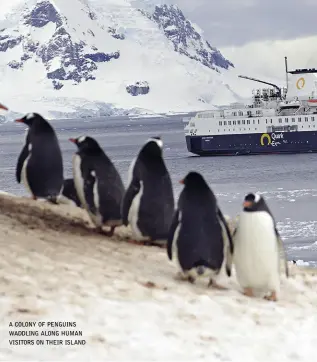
{"points": [[253, 143]]}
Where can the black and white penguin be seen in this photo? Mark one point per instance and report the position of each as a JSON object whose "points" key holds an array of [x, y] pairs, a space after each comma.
{"points": [[69, 193], [40, 163], [257, 246], [98, 184], [3, 107], [199, 237], [148, 204]]}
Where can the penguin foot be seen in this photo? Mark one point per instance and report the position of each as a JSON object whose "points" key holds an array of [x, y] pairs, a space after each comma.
{"points": [[106, 233], [248, 292], [191, 279], [136, 242], [272, 297], [215, 285], [33, 197]]}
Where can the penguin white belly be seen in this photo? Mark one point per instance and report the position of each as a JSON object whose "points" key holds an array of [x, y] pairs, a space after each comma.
{"points": [[24, 176], [133, 215], [97, 219], [78, 180], [256, 255]]}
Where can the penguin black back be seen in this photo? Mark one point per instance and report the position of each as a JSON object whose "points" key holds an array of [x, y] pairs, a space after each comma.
{"points": [[42, 157], [150, 180], [199, 222], [100, 180]]}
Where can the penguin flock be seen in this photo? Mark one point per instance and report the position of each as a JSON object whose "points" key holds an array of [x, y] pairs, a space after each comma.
{"points": [[194, 231]]}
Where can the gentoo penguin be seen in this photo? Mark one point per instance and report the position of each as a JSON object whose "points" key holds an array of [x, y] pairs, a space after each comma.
{"points": [[98, 184], [3, 107], [148, 204], [69, 193], [256, 248], [40, 163], [199, 235]]}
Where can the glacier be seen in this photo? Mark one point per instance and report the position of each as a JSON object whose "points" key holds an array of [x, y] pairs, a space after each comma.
{"points": [[92, 58]]}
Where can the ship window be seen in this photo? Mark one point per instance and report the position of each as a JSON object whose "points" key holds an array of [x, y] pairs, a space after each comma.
{"points": [[254, 121], [225, 123], [248, 121], [220, 123], [299, 119], [266, 121], [240, 113], [243, 121], [306, 119], [313, 119], [233, 122], [280, 120], [238, 122], [258, 121], [229, 123], [234, 113], [271, 120]]}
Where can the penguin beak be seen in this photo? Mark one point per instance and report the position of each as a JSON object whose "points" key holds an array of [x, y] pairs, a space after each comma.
{"points": [[3, 107], [247, 203], [19, 120], [73, 140], [181, 182]]}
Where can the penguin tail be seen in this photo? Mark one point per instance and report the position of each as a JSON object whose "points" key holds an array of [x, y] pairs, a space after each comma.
{"points": [[52, 199], [200, 269]]}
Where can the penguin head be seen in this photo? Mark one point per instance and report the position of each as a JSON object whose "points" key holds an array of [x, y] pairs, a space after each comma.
{"points": [[3, 107], [85, 143], [152, 148], [194, 180], [253, 202], [31, 118]]}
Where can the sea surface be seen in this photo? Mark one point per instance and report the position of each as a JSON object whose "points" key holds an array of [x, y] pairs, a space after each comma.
{"points": [[288, 182]]}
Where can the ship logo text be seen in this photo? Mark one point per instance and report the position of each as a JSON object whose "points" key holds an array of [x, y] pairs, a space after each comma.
{"points": [[267, 140]]}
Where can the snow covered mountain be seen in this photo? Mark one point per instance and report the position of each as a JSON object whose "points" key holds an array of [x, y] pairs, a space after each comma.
{"points": [[100, 57]]}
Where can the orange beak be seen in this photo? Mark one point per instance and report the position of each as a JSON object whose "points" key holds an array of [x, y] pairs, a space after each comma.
{"points": [[3, 107], [72, 140], [181, 182], [247, 203], [19, 120]]}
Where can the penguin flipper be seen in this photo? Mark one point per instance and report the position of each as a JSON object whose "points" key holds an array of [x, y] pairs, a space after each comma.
{"points": [[229, 246], [281, 247], [22, 157], [171, 233], [131, 192]]}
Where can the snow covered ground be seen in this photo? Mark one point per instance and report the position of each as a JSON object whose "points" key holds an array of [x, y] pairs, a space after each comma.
{"points": [[127, 302]]}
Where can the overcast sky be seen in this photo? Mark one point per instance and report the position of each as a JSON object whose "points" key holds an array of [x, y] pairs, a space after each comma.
{"points": [[236, 22]]}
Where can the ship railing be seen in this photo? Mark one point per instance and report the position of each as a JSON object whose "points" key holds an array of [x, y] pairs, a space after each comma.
{"points": [[186, 119]]}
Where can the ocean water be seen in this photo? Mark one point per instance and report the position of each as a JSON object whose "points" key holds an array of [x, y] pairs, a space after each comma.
{"points": [[288, 182]]}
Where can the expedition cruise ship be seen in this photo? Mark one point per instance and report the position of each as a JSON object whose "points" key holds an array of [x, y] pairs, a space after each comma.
{"points": [[279, 120]]}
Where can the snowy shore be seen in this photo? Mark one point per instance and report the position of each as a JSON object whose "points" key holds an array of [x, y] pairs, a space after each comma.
{"points": [[127, 302]]}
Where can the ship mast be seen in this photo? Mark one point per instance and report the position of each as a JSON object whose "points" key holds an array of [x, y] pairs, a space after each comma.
{"points": [[286, 70]]}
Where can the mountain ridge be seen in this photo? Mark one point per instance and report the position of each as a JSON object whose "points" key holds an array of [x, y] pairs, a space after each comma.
{"points": [[77, 49]]}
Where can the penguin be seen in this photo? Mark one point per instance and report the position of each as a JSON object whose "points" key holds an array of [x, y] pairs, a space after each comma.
{"points": [[3, 107], [69, 193], [40, 163], [148, 204], [199, 235], [257, 244], [98, 184]]}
